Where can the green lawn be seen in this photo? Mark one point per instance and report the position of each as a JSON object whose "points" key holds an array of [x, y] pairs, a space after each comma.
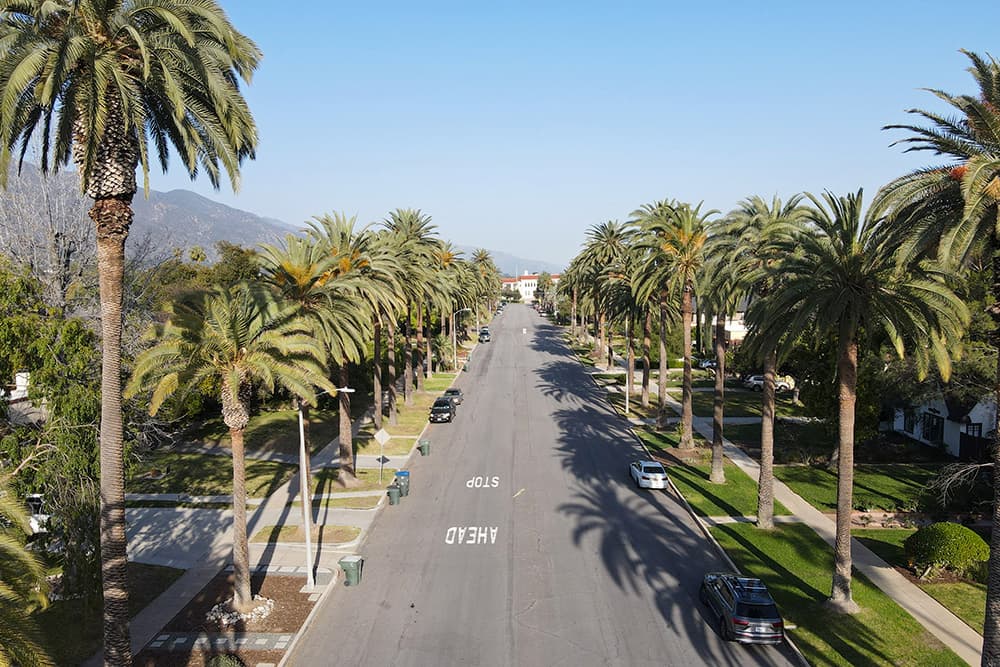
{"points": [[347, 503], [737, 497], [797, 565], [887, 486], [365, 443], [665, 440], [206, 475], [325, 480], [276, 431], [794, 442], [967, 600], [411, 418], [635, 409], [328, 533], [72, 633], [741, 404], [439, 382]]}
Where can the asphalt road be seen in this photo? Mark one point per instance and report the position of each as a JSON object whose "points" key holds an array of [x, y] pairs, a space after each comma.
{"points": [[523, 541]]}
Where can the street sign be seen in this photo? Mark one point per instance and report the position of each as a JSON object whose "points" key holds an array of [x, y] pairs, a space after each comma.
{"points": [[383, 459], [381, 436]]}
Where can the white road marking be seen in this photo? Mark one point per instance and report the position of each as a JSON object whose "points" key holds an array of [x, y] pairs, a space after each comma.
{"points": [[518, 493]]}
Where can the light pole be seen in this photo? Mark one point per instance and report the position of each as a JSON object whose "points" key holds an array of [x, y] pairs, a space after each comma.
{"points": [[454, 337], [306, 492], [628, 371]]}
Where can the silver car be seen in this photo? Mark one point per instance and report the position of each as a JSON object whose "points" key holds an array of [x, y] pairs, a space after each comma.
{"points": [[648, 474]]}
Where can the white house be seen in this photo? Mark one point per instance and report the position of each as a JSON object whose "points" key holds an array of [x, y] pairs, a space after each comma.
{"points": [[931, 424], [525, 285]]}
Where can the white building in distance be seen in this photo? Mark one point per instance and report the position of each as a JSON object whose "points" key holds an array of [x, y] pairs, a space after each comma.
{"points": [[525, 285]]}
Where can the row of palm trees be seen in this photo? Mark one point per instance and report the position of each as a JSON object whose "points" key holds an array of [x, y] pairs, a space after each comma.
{"points": [[821, 269], [323, 299]]}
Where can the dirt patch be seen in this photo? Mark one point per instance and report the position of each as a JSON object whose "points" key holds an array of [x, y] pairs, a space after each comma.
{"points": [[199, 659], [290, 606], [672, 457]]}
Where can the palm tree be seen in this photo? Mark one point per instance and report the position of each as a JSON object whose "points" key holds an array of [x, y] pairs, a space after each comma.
{"points": [[22, 582], [606, 244], [843, 276], [413, 235], [747, 244], [235, 338], [680, 238], [98, 81], [369, 272], [953, 210]]}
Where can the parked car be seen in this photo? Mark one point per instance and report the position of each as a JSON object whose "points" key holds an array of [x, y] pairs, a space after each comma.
{"points": [[707, 363], [455, 394], [745, 611], [648, 474], [443, 410], [756, 383], [484, 336]]}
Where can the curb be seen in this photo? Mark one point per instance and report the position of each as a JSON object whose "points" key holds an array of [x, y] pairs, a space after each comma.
{"points": [[701, 524], [309, 619]]}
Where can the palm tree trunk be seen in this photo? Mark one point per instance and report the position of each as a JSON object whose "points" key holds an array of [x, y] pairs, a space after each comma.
{"points": [[991, 627], [646, 324], [346, 439], [687, 416], [765, 480], [112, 218], [630, 361], [602, 346], [847, 379], [418, 364], [661, 381], [377, 370], [242, 600], [391, 369], [429, 373], [718, 475], [572, 317], [407, 361]]}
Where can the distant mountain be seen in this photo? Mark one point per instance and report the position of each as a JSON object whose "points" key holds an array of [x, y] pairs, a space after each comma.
{"points": [[511, 265], [182, 219]]}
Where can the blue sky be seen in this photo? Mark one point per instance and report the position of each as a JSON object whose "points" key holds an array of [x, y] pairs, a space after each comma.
{"points": [[517, 126]]}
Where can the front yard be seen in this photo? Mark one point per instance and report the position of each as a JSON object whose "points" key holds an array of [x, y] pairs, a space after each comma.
{"points": [[205, 475], [887, 486]]}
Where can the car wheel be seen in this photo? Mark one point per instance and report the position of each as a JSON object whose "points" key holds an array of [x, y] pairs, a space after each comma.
{"points": [[758, 388], [723, 628]]}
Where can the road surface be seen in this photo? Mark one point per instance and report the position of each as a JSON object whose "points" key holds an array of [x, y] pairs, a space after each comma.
{"points": [[523, 541]]}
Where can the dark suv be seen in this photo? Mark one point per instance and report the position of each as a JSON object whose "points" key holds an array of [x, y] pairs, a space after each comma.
{"points": [[443, 410], [745, 610]]}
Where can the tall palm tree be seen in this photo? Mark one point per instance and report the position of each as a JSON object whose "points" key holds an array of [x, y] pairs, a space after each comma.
{"points": [[680, 238], [747, 245], [98, 81], [953, 210], [844, 276], [22, 582], [413, 236], [369, 272], [607, 243], [235, 338]]}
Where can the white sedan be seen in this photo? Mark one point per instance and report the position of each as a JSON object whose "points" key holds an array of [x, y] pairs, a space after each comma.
{"points": [[648, 474]]}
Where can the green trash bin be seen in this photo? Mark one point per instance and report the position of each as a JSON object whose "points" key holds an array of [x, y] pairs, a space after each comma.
{"points": [[425, 447], [403, 481], [352, 566], [393, 491]]}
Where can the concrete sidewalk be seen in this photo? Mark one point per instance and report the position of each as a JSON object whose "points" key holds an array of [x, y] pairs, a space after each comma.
{"points": [[937, 619]]}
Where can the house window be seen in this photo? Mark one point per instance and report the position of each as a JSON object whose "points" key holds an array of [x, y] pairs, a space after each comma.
{"points": [[932, 428], [975, 430], [909, 421]]}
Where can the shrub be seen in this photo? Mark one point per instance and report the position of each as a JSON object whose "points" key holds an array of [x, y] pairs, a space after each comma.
{"points": [[945, 545], [225, 660]]}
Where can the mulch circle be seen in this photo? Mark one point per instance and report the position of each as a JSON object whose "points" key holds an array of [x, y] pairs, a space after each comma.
{"points": [[290, 611]]}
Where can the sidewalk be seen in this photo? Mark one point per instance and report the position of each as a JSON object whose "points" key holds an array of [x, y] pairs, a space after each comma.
{"points": [[937, 619]]}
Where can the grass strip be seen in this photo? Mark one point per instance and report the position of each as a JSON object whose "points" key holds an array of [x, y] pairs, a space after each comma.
{"points": [[885, 486], [329, 533], [737, 497], [348, 503], [206, 475], [326, 480], [797, 566]]}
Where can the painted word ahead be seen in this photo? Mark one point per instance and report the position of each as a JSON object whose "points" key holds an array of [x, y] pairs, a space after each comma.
{"points": [[471, 535]]}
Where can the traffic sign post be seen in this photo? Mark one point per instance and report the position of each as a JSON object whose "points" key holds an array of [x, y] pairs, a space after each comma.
{"points": [[381, 437]]}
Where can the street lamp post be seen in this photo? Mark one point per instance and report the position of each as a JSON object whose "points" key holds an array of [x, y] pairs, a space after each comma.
{"points": [[306, 492], [454, 337]]}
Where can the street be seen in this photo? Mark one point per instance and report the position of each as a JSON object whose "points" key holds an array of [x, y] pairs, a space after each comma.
{"points": [[523, 540]]}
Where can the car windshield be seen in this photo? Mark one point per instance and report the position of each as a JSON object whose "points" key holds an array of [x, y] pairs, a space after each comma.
{"points": [[657, 469], [757, 611], [442, 403], [452, 392]]}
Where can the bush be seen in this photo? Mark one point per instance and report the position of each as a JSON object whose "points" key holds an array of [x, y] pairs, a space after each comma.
{"points": [[945, 545]]}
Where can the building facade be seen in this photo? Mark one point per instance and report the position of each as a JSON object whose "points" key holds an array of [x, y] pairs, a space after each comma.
{"points": [[525, 285]]}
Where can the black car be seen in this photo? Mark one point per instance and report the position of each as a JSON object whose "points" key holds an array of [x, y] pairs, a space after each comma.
{"points": [[745, 611], [484, 336], [455, 395], [443, 410]]}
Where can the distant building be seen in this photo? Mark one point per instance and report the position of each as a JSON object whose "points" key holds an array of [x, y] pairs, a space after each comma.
{"points": [[525, 285], [966, 436]]}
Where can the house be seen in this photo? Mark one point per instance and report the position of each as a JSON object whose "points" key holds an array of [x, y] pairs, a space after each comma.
{"points": [[525, 285], [965, 436]]}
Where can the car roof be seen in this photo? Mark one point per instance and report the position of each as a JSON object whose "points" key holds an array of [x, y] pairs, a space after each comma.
{"points": [[749, 589], [453, 390], [441, 401], [645, 462]]}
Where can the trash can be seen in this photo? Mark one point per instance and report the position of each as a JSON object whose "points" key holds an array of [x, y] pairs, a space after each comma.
{"points": [[403, 481], [352, 566], [425, 447], [393, 491]]}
